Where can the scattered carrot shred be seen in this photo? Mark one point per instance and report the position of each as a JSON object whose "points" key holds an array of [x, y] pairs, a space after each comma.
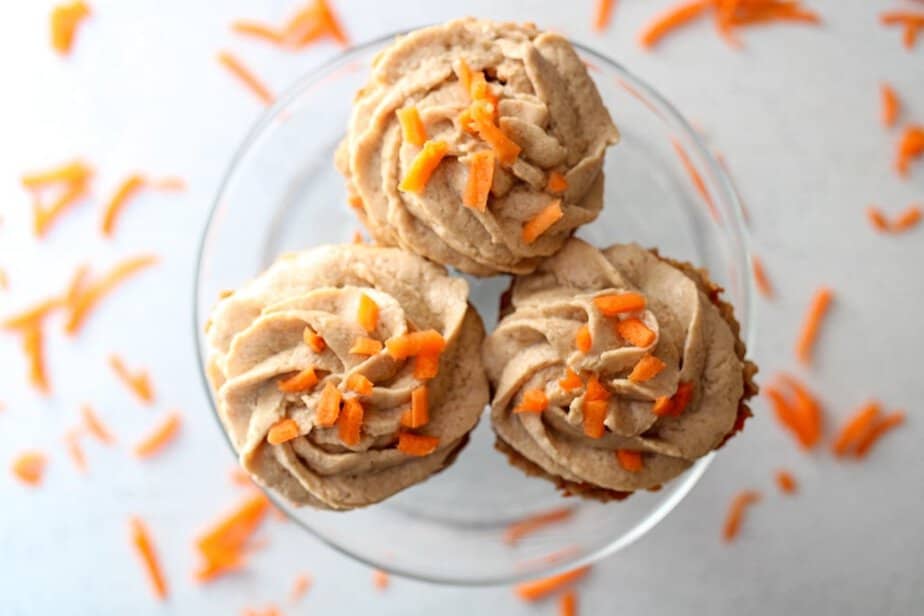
{"points": [[72, 172], [603, 13], [222, 545], [570, 381], [64, 21], [328, 406], [302, 381], [417, 444], [646, 369], [736, 511], [891, 106], [245, 76], [635, 332], [482, 120], [807, 407], [629, 460], [300, 586], [29, 467], [618, 303], [282, 431], [567, 604], [582, 339], [817, 310], [910, 147], [789, 417], [367, 314], [313, 340], [160, 437], [412, 127], [908, 219], [697, 180], [539, 589], [479, 180], [141, 539], [423, 342], [556, 183], [542, 221], [79, 309], [760, 277], [33, 345], [523, 528], [534, 401], [423, 166], [258, 30], [881, 427], [126, 190], [418, 414], [75, 450], [671, 19], [426, 366], [877, 219], [350, 422], [366, 346], [95, 426], [358, 383], [786, 482], [911, 22], [380, 579], [856, 428], [139, 383], [358, 238]]}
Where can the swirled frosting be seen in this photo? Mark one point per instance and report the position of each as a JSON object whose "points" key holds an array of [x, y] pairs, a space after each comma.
{"points": [[257, 337], [534, 344], [545, 102]]}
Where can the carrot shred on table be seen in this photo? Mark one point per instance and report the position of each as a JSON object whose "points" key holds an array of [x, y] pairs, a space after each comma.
{"points": [[646, 369], [245, 76], [818, 308], [29, 467], [618, 303], [350, 422], [72, 172], [380, 579], [259, 30], [891, 106], [671, 19], [629, 460], [807, 409], [222, 546], [366, 346], [79, 309], [313, 340], [603, 13], [697, 180], [570, 381], [856, 428], [282, 431], [331, 23], [367, 313], [300, 382], [594, 417], [877, 219], [328, 406], [141, 539], [786, 482], [635, 332], [139, 383], [44, 217], [790, 417], [527, 526], [418, 414], [878, 429], [160, 437], [910, 147], [426, 366], [359, 384], [908, 219], [676, 404], [760, 277], [567, 604], [533, 401], [556, 183], [75, 450], [64, 21], [539, 589], [736, 511], [427, 341], [126, 190], [423, 166], [582, 339], [910, 21], [300, 586], [479, 180], [542, 221], [417, 444], [33, 346], [464, 74], [412, 128]]}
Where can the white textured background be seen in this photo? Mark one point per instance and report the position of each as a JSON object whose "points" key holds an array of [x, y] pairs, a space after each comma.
{"points": [[796, 113]]}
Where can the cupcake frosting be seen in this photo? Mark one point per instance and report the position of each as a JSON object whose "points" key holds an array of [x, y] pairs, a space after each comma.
{"points": [[302, 313], [541, 98], [681, 412]]}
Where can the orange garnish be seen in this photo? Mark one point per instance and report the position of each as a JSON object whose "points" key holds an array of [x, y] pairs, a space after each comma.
{"points": [[245, 76], [671, 19], [328, 406], [427, 342], [542, 221], [602, 14], [423, 166], [282, 431], [646, 369], [34, 349], [43, 217], [786, 482], [160, 437], [379, 579], [359, 383], [313, 340], [464, 74], [248, 27], [29, 467], [872, 436], [367, 314], [556, 183], [571, 380], [596, 390], [910, 147], [760, 277], [300, 586], [350, 422], [300, 382], [418, 415], [582, 339], [141, 539], [73, 172], [95, 426], [222, 546], [908, 219], [482, 120], [64, 21], [857, 427], [617, 303], [417, 444], [426, 366], [534, 401], [736, 512], [79, 309], [629, 460], [674, 405], [911, 22], [538, 589], [126, 190], [366, 346], [75, 450], [790, 417], [818, 308], [518, 530], [890, 105], [412, 128], [479, 180], [139, 383], [567, 604], [697, 180], [636, 333], [594, 415]]}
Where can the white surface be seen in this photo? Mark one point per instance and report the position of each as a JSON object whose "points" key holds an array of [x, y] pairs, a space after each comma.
{"points": [[796, 114]]}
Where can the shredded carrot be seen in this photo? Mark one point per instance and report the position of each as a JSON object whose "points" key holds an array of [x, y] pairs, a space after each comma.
{"points": [[596, 390], [222, 546], [556, 183], [582, 339], [891, 106], [818, 308], [380, 579], [139, 382], [910, 21], [636, 333], [160, 437], [697, 180], [881, 427], [760, 277], [313, 340], [518, 530], [646, 369], [350, 422], [141, 539], [786, 482], [908, 219], [602, 14], [417, 444], [910, 147], [542, 221], [367, 314], [423, 166], [64, 21], [857, 427], [427, 342], [482, 116], [412, 128], [539, 589], [618, 303], [44, 217], [790, 417], [73, 172], [534, 401], [33, 347], [418, 415], [258, 30], [328, 406], [736, 512], [675, 405], [75, 450], [300, 586], [571, 380], [594, 416], [877, 219], [76, 285], [567, 604], [366, 346], [426, 366], [245, 76], [282, 431], [629, 460], [300, 382], [95, 426], [673, 18], [80, 308], [126, 190], [359, 383], [29, 467], [479, 180]]}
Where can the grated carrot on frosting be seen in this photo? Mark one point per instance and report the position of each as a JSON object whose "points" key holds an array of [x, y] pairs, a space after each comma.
{"points": [[358, 383], [418, 414], [891, 106], [615, 304], [417, 444], [423, 342], [141, 539], [423, 166], [64, 21], [479, 180], [635, 332], [366, 346], [629, 460], [412, 128], [582, 339], [313, 340], [328, 406], [534, 401], [282, 431], [350, 422], [300, 382], [542, 221], [570, 381], [160, 437], [367, 314], [426, 366], [646, 369], [556, 183]]}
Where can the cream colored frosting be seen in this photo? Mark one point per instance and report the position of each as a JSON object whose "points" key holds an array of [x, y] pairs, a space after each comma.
{"points": [[255, 337], [535, 342], [547, 104]]}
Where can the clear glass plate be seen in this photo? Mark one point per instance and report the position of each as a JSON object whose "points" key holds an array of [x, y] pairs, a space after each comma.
{"points": [[282, 193]]}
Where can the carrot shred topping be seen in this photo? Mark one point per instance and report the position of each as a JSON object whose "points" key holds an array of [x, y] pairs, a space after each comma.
{"points": [[29, 467], [636, 333], [523, 528], [95, 425], [79, 309], [482, 120], [412, 127], [674, 406], [300, 382], [856, 428], [760, 277], [350, 422], [245, 76], [380, 579], [282, 431], [910, 147], [417, 444], [426, 366], [64, 21], [313, 340], [328, 406], [891, 106], [139, 383], [736, 512], [423, 166], [594, 416], [300, 587], [358, 383], [160, 437], [126, 190], [418, 415], [427, 342], [618, 303], [817, 310], [697, 180], [479, 180], [646, 369], [539, 589], [34, 348], [222, 546], [534, 401], [629, 460], [366, 346], [881, 427], [367, 314], [603, 12], [786, 482], [571, 380], [141, 539], [542, 221], [567, 604], [582, 339], [556, 183]]}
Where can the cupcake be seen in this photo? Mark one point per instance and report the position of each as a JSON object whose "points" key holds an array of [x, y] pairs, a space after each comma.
{"points": [[344, 374], [615, 370], [478, 145]]}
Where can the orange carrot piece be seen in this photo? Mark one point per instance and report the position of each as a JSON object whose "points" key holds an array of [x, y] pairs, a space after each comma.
{"points": [[542, 221], [95, 426], [910, 147], [556, 183], [877, 219], [44, 217], [539, 589], [366, 346], [300, 382], [567, 604], [636, 333], [328, 406], [423, 166], [80, 308], [417, 444], [73, 172], [663, 406], [789, 417], [33, 345], [518, 530], [380, 579], [670, 20], [534, 401], [786, 482], [313, 340], [857, 427], [760, 277], [890, 105], [504, 147], [582, 339], [367, 314], [818, 308], [282, 431], [908, 219], [617, 303], [141, 539], [75, 450], [223, 544], [427, 342], [331, 23], [160, 437], [596, 390], [646, 369], [881, 427], [697, 180], [808, 410], [571, 380], [29, 467], [602, 14], [675, 405], [245, 76], [300, 586], [479, 180], [258, 30], [126, 190], [139, 383], [426, 366], [359, 383], [350, 422], [736, 512], [910, 21], [594, 415], [418, 415], [629, 460], [64, 21], [464, 74], [305, 27], [412, 128]]}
